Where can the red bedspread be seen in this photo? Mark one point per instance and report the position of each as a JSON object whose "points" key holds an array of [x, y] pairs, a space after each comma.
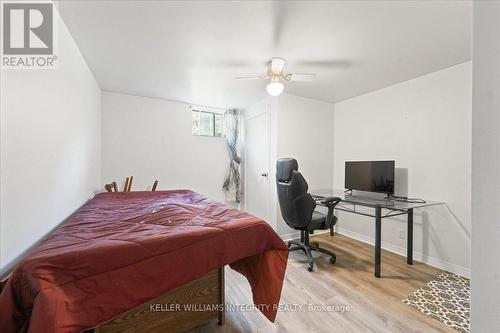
{"points": [[120, 250]]}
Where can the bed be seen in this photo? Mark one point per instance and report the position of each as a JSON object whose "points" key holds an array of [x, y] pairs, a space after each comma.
{"points": [[121, 251]]}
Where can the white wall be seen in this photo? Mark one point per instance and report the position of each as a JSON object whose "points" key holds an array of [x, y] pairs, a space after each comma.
{"points": [[425, 125], [485, 282], [152, 139], [50, 146], [305, 132]]}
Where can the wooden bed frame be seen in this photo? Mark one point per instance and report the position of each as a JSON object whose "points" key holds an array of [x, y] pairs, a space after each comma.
{"points": [[193, 304], [178, 310]]}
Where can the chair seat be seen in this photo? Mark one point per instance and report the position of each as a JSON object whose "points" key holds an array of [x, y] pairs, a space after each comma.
{"points": [[318, 221]]}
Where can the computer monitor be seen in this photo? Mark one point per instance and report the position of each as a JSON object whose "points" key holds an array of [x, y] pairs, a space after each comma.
{"points": [[370, 176]]}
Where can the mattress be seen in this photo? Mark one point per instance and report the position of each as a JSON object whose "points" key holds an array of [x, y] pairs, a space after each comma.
{"points": [[120, 250]]}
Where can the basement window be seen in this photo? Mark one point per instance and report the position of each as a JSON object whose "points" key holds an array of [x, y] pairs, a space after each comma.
{"points": [[207, 123]]}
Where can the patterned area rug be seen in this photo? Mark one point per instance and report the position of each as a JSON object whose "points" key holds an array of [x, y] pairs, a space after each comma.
{"points": [[446, 298]]}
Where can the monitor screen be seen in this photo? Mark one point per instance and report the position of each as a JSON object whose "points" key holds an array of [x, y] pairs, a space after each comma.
{"points": [[370, 176]]}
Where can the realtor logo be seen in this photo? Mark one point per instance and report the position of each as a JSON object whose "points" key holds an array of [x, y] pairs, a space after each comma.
{"points": [[28, 35]]}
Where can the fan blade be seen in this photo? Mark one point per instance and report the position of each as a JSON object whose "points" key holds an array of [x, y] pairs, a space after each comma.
{"points": [[250, 78], [277, 65], [300, 77]]}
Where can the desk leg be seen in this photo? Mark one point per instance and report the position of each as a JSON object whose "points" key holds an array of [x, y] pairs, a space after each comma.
{"points": [[409, 241], [378, 234]]}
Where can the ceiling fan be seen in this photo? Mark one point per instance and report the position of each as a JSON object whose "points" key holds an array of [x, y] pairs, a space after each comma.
{"points": [[275, 75]]}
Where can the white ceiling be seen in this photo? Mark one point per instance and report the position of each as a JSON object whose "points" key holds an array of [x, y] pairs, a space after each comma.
{"points": [[190, 51]]}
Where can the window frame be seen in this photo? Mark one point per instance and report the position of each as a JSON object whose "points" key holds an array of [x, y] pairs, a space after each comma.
{"points": [[213, 114]]}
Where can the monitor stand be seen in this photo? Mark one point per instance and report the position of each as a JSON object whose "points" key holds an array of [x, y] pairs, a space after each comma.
{"points": [[370, 195]]}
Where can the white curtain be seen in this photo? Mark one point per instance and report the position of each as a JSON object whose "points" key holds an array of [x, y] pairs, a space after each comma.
{"points": [[232, 180]]}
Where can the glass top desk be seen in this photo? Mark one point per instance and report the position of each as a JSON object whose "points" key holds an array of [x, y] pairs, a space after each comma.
{"points": [[390, 208]]}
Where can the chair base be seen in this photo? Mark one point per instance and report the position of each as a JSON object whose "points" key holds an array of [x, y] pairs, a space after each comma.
{"points": [[308, 247]]}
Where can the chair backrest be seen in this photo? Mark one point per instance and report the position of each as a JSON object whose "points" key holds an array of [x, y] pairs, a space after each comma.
{"points": [[296, 205]]}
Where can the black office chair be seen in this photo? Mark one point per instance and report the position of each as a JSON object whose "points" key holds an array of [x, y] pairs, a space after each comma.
{"points": [[297, 208]]}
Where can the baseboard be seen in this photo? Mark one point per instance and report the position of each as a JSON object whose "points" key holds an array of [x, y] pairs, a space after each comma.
{"points": [[290, 236], [431, 261], [296, 234]]}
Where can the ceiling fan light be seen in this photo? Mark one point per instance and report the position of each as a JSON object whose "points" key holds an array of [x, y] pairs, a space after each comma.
{"points": [[275, 88]]}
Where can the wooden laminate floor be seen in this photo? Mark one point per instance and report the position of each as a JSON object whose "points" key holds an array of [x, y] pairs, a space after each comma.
{"points": [[374, 305]]}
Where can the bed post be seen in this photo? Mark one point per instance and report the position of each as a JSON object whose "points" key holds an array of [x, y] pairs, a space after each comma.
{"points": [[222, 312]]}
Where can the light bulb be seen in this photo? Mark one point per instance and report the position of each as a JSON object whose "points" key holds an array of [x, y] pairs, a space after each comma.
{"points": [[275, 88]]}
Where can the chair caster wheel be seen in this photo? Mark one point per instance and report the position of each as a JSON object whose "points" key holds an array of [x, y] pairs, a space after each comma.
{"points": [[333, 259], [310, 267]]}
